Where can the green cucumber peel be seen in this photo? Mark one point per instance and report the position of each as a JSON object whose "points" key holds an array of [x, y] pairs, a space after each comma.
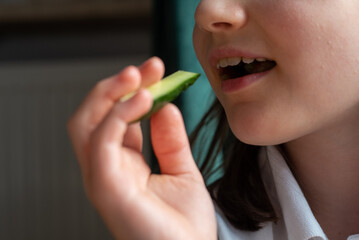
{"points": [[166, 90]]}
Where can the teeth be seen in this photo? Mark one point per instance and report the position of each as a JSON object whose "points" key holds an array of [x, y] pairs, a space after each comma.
{"points": [[223, 62], [261, 59], [233, 61], [248, 60]]}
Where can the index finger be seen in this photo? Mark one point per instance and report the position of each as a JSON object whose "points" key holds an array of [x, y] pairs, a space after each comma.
{"points": [[108, 91], [100, 100], [152, 71]]}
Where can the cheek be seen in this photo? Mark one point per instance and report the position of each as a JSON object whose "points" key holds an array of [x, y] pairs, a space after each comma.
{"points": [[199, 44], [283, 109], [268, 115], [285, 114]]}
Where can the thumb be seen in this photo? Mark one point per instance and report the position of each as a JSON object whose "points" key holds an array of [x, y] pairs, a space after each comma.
{"points": [[170, 142]]}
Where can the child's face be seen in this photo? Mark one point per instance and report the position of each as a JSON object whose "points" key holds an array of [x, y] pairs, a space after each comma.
{"points": [[315, 46]]}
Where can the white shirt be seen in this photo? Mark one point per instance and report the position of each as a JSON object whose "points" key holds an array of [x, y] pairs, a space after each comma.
{"points": [[296, 221]]}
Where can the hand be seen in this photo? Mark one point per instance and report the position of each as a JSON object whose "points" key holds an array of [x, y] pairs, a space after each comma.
{"points": [[134, 203]]}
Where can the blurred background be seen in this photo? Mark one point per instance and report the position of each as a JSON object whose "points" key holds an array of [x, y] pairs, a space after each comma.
{"points": [[52, 52]]}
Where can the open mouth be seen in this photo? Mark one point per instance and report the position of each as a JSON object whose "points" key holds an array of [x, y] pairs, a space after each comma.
{"points": [[236, 67]]}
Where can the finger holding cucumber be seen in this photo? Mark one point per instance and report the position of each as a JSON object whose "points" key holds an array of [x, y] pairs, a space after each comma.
{"points": [[103, 97], [134, 203], [167, 90]]}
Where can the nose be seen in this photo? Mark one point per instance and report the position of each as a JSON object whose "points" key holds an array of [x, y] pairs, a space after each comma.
{"points": [[220, 15]]}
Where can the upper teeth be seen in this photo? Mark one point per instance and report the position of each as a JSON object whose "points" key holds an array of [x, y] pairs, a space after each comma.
{"points": [[233, 61]]}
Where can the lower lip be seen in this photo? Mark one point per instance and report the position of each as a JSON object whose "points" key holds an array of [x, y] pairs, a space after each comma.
{"points": [[236, 84]]}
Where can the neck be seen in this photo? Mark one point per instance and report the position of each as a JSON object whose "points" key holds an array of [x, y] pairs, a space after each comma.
{"points": [[326, 166]]}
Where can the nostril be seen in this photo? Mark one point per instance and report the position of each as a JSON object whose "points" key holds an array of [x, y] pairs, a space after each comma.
{"points": [[221, 25]]}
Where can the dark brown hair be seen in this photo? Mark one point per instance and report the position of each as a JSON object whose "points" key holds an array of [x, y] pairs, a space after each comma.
{"points": [[239, 192]]}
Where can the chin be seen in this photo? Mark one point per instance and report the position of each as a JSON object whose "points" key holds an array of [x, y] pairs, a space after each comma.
{"points": [[258, 133], [256, 140]]}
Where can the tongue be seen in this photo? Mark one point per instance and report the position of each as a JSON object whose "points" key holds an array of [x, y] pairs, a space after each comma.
{"points": [[243, 69]]}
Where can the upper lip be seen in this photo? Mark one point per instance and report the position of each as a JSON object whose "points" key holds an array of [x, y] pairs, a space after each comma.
{"points": [[228, 52]]}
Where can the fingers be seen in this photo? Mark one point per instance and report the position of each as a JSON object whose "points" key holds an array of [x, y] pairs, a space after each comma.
{"points": [[170, 142], [109, 135], [114, 125], [103, 97], [131, 78], [152, 71], [133, 137], [110, 90], [98, 103]]}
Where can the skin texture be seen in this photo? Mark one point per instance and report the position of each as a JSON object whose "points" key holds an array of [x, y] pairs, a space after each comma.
{"points": [[134, 203], [308, 102]]}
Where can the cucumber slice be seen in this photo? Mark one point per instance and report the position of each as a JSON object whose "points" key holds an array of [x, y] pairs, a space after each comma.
{"points": [[167, 90]]}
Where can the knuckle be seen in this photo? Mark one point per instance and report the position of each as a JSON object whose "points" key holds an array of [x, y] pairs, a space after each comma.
{"points": [[103, 135], [100, 87]]}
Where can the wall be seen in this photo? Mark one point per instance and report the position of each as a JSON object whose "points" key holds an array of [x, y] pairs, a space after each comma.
{"points": [[46, 68]]}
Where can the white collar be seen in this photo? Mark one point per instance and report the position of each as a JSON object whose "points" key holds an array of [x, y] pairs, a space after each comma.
{"points": [[296, 220], [299, 220], [298, 217]]}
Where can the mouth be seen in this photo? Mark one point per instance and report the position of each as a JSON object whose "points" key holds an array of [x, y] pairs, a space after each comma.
{"points": [[237, 67]]}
